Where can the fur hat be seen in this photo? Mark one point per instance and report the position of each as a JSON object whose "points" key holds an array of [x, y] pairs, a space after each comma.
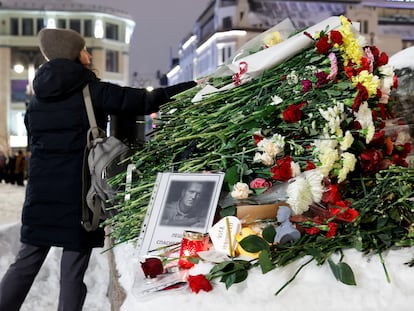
{"points": [[60, 43]]}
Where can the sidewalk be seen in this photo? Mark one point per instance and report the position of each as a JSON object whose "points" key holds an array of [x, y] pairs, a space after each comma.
{"points": [[11, 202]]}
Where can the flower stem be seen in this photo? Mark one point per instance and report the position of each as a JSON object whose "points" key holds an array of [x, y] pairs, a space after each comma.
{"points": [[293, 277]]}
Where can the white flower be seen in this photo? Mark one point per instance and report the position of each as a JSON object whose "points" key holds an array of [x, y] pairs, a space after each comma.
{"points": [[300, 196], [334, 116], [362, 41], [292, 78], [272, 146], [241, 191], [402, 138], [386, 70], [328, 158], [364, 117], [304, 190], [263, 158], [349, 161], [295, 167], [276, 100], [324, 143], [370, 133], [347, 141], [314, 178]]}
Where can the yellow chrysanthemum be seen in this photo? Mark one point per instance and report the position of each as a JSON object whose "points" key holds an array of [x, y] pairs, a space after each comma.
{"points": [[350, 47], [368, 80]]}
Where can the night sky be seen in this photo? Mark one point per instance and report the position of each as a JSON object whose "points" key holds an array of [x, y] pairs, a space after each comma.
{"points": [[160, 26]]}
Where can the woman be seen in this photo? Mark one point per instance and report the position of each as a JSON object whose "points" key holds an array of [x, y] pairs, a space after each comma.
{"points": [[57, 123]]}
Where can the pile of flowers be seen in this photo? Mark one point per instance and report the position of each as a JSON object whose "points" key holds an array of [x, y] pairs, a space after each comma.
{"points": [[317, 131]]}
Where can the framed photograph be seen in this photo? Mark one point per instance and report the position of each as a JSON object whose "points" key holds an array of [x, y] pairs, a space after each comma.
{"points": [[180, 202]]}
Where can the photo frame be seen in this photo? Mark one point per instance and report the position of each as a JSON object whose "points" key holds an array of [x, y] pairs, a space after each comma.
{"points": [[180, 202]]}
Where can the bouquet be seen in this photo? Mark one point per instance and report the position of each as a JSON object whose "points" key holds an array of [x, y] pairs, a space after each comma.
{"points": [[316, 129]]}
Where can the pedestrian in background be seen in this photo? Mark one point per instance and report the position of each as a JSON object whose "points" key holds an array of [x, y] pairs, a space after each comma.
{"points": [[20, 168], [57, 122], [3, 163]]}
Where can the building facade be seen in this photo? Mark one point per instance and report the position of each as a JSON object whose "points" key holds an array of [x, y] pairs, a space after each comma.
{"points": [[107, 34], [226, 25]]}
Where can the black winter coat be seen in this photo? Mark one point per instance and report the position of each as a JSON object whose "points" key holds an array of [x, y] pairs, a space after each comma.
{"points": [[57, 123]]}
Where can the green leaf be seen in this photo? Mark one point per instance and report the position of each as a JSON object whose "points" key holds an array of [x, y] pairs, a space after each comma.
{"points": [[228, 211], [253, 244], [342, 272], [269, 233], [265, 261], [237, 276], [232, 175]]}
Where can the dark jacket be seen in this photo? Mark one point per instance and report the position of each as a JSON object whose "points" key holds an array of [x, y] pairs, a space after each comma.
{"points": [[57, 123]]}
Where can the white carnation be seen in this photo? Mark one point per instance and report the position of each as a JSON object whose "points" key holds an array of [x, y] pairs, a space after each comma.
{"points": [[347, 141], [241, 191], [349, 162]]}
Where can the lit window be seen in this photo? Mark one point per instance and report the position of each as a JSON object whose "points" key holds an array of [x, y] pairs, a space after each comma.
{"points": [[51, 23], [98, 33]]}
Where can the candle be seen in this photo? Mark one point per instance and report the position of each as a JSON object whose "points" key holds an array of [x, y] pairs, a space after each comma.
{"points": [[191, 244]]}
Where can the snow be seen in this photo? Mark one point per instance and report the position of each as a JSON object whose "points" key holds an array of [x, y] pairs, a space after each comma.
{"points": [[403, 58], [314, 288]]}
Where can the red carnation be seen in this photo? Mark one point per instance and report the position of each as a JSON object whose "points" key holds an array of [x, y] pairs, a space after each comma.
{"points": [[370, 160], [282, 170], [293, 113], [332, 228], [331, 195], [257, 138], [382, 59], [309, 166], [323, 45], [312, 230], [346, 214], [336, 37]]}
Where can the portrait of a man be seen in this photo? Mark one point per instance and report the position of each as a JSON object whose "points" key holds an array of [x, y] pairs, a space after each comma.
{"points": [[187, 203]]}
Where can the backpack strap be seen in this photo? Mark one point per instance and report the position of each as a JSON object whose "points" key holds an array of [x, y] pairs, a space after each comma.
{"points": [[87, 212], [91, 115]]}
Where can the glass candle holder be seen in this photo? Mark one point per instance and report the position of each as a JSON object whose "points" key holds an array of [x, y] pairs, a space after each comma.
{"points": [[191, 244]]}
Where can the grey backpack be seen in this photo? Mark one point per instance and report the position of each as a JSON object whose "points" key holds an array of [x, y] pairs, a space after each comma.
{"points": [[105, 157]]}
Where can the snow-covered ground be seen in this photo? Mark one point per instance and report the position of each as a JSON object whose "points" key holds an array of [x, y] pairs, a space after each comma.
{"points": [[315, 288]]}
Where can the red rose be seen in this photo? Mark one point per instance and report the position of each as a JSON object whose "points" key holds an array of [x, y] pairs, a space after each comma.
{"points": [[199, 282], [152, 267]]}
